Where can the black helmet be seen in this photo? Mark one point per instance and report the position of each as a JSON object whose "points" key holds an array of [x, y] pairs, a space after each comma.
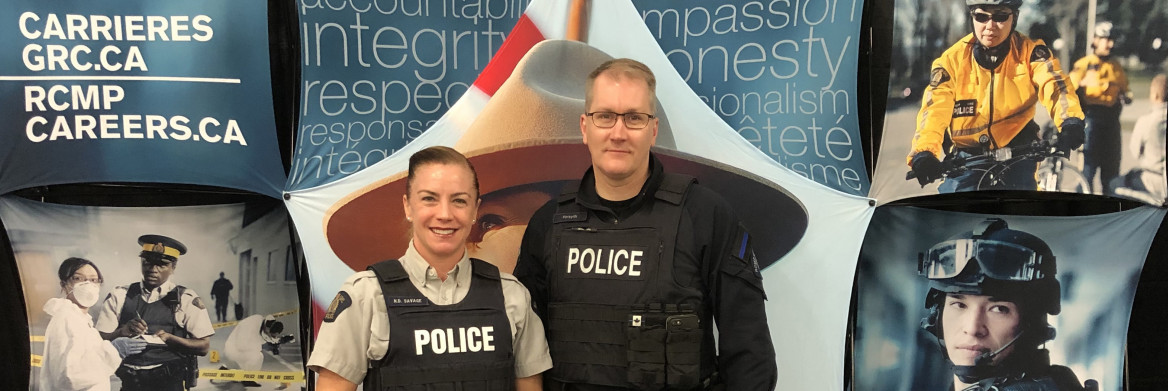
{"points": [[993, 260], [1015, 4]]}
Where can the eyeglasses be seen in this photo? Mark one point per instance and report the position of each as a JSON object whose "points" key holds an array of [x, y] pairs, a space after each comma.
{"points": [[607, 119], [77, 279], [999, 17], [998, 260]]}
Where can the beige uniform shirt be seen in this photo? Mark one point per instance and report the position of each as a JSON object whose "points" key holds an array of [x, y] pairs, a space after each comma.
{"points": [[359, 332]]}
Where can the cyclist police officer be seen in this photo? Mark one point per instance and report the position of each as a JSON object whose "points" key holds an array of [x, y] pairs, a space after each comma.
{"points": [[1103, 90], [990, 290], [981, 97]]}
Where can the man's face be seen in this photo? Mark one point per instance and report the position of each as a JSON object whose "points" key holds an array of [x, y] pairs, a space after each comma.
{"points": [[619, 153], [1103, 46], [976, 324], [156, 271], [499, 228], [992, 25]]}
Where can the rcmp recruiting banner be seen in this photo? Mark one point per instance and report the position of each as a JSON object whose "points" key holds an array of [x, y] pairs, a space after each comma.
{"points": [[519, 125], [781, 73], [137, 91], [228, 261], [1083, 269]]}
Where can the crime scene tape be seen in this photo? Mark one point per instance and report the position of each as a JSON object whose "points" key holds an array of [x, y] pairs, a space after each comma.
{"points": [[36, 360], [36, 338], [256, 376], [235, 322]]}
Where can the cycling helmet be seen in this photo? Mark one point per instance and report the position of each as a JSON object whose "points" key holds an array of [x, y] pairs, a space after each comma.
{"points": [[993, 260], [1015, 4], [1103, 29]]}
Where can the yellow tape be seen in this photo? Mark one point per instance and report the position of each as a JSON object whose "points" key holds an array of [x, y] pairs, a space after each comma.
{"points": [[256, 376], [36, 360], [235, 322], [36, 338]]}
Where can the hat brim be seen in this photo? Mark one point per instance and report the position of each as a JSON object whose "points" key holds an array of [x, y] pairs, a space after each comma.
{"points": [[369, 226]]}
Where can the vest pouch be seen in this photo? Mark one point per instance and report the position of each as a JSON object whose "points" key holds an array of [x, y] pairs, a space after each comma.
{"points": [[646, 332], [683, 346]]}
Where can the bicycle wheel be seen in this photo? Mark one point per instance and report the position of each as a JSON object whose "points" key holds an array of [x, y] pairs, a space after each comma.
{"points": [[1058, 174]]}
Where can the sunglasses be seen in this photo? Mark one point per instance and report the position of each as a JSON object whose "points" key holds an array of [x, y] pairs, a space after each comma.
{"points": [[999, 17]]}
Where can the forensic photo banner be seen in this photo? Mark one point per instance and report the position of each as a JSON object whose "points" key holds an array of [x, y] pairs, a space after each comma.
{"points": [[137, 91], [1060, 110], [941, 291], [233, 281], [519, 126]]}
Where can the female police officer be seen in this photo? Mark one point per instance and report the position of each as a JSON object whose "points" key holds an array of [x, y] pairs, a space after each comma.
{"points": [[456, 322]]}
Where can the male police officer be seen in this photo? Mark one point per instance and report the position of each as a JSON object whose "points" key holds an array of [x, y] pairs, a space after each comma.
{"points": [[171, 317], [1103, 90], [990, 290], [982, 95], [630, 267]]}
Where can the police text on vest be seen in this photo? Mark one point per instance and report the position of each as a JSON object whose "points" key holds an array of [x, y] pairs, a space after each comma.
{"points": [[618, 261], [462, 340]]}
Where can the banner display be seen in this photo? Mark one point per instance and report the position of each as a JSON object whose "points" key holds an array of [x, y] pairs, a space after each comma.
{"points": [[782, 74], [375, 75], [1062, 114], [944, 293], [233, 284], [523, 137], [142, 91]]}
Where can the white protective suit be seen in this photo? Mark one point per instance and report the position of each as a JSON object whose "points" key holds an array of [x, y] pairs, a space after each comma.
{"points": [[245, 344], [75, 356]]}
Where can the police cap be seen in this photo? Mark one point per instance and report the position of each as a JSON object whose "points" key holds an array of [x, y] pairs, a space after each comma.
{"points": [[161, 247]]}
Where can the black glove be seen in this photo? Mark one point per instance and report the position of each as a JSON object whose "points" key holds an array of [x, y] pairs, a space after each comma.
{"points": [[926, 167], [1071, 136]]}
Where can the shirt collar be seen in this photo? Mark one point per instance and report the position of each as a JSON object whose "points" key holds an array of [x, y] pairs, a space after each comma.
{"points": [[423, 274], [162, 289]]}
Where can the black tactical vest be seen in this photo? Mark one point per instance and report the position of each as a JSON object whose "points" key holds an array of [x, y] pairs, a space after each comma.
{"points": [[466, 345], [616, 316], [158, 315]]}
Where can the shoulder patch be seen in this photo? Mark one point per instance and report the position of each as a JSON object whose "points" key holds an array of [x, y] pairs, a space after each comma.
{"points": [[198, 302], [938, 76], [1040, 53], [339, 304]]}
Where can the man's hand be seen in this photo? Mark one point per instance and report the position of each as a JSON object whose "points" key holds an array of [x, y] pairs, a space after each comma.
{"points": [[926, 167], [1071, 135], [133, 328]]}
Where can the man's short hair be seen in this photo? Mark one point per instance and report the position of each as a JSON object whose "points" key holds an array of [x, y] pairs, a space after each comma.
{"points": [[622, 68]]}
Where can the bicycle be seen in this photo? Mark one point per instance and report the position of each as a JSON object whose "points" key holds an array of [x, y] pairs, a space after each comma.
{"points": [[1053, 173]]}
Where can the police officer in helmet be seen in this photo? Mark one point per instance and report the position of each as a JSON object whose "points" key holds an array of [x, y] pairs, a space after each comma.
{"points": [[982, 96], [990, 291]]}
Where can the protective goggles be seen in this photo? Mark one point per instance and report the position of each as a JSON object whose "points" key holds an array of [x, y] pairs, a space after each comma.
{"points": [[998, 260]]}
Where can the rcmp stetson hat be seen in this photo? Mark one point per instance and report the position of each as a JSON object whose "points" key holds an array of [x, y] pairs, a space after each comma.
{"points": [[529, 132], [158, 246]]}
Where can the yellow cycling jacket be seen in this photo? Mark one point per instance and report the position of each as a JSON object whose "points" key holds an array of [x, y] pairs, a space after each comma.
{"points": [[975, 104], [1112, 80]]}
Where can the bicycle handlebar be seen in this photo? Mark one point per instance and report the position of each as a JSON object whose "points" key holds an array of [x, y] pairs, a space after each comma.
{"points": [[955, 165]]}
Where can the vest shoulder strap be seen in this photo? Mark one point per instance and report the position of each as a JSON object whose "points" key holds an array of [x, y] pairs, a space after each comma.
{"points": [[389, 271], [133, 291], [568, 192], [484, 269], [673, 188]]}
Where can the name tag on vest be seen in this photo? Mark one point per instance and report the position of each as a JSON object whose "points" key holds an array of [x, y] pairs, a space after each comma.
{"points": [[613, 262], [452, 340], [399, 301]]}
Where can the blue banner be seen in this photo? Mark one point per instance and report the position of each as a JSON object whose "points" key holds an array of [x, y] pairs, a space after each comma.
{"points": [[781, 73], [137, 91], [375, 75]]}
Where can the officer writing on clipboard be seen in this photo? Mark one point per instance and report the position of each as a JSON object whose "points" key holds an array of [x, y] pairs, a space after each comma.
{"points": [[171, 317]]}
